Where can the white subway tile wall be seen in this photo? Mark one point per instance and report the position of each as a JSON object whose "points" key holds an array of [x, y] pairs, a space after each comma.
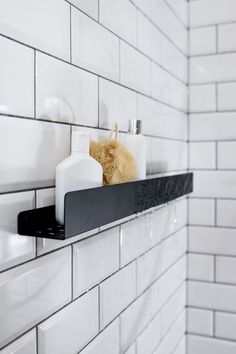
{"points": [[212, 207], [70, 65]]}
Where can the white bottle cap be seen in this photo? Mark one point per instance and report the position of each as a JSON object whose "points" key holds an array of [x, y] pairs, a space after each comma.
{"points": [[80, 141]]}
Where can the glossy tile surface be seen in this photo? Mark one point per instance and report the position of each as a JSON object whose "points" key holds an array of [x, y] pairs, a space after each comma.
{"points": [[17, 78], [200, 321], [135, 238], [116, 293], [216, 68], [65, 93], [25, 345], [92, 261], [130, 74], [154, 44], [31, 292], [160, 120], [93, 47], [106, 342], [90, 7], [166, 88], [14, 249], [27, 163], [120, 16], [29, 22], [117, 104], [70, 329]]}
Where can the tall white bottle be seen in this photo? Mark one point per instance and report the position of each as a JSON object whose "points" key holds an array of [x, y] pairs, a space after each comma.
{"points": [[78, 171], [135, 143]]}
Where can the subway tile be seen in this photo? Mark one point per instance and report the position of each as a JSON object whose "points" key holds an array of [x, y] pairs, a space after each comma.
{"points": [[164, 288], [200, 322], [177, 333], [213, 240], [14, 249], [150, 337], [93, 47], [173, 341], [135, 238], [174, 308], [226, 37], [212, 68], [164, 347], [166, 88], [106, 342], [164, 18], [116, 103], [24, 345], [167, 220], [215, 184], [180, 7], [27, 163], [155, 262], [17, 78], [200, 267], [181, 348], [225, 325], [171, 156], [95, 259], [41, 24], [130, 74], [161, 120], [202, 98], [202, 212], [31, 292], [154, 44], [148, 34], [207, 13], [198, 344], [202, 155], [70, 329], [227, 96], [120, 16], [149, 268], [226, 155], [134, 319], [116, 293], [90, 7], [224, 270], [226, 211], [202, 41], [65, 93], [45, 245], [212, 296], [213, 126], [132, 349]]}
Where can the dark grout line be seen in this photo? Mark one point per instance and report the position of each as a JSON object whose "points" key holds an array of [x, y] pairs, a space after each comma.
{"points": [[177, 16], [87, 70], [160, 30]]}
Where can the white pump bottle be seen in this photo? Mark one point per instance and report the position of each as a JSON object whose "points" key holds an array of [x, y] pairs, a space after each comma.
{"points": [[76, 172]]}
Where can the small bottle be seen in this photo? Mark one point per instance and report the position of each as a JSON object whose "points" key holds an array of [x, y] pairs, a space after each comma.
{"points": [[135, 143], [76, 172]]}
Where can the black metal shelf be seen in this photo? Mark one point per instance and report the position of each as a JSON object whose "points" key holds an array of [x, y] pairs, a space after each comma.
{"points": [[91, 208]]}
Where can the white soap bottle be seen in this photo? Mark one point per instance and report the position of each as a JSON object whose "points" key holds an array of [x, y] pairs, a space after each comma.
{"points": [[135, 143], [76, 172]]}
